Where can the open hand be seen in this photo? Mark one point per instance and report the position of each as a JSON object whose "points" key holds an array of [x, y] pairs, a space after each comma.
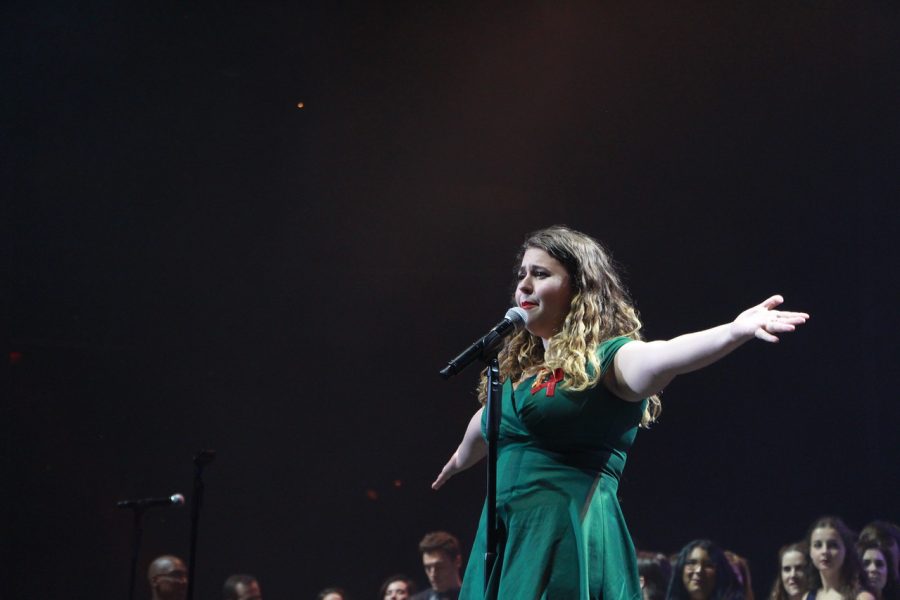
{"points": [[764, 321]]}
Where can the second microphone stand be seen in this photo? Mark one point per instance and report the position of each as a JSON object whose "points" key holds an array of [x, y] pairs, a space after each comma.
{"points": [[494, 409], [203, 458]]}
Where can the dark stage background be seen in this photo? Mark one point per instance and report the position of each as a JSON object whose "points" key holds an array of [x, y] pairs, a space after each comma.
{"points": [[194, 261]]}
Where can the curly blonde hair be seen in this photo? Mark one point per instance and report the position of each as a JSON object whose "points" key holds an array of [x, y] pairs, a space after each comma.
{"points": [[601, 309]]}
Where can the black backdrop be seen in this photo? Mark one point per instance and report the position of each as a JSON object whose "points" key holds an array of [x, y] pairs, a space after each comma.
{"points": [[194, 261]]}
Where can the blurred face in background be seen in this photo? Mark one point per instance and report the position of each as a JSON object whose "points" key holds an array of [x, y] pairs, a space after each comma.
{"points": [[168, 578], [699, 576], [442, 570], [875, 567], [826, 549], [396, 590], [793, 573]]}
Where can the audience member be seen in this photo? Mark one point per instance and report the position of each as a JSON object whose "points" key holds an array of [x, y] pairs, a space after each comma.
{"points": [[655, 571], [241, 587], [442, 561], [741, 569], [702, 572], [833, 554], [876, 565], [333, 593], [168, 579], [792, 581], [397, 587], [888, 537]]}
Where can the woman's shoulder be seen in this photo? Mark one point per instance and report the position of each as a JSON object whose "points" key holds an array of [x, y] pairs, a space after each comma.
{"points": [[612, 344], [607, 349]]}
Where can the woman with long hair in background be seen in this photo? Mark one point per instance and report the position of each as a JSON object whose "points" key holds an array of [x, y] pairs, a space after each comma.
{"points": [[703, 572], [876, 564], [792, 581], [833, 555]]}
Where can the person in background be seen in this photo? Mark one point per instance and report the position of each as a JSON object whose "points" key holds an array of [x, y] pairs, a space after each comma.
{"points": [[888, 537], [876, 565], [833, 555], [741, 569], [702, 572], [241, 587], [655, 571], [442, 561], [333, 593], [397, 587], [168, 578], [792, 581]]}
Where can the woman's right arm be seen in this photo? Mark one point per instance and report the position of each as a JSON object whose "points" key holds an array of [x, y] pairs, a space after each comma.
{"points": [[471, 450]]}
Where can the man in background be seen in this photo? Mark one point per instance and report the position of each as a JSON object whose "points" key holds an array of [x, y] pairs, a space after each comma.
{"points": [[168, 579], [442, 561], [241, 587]]}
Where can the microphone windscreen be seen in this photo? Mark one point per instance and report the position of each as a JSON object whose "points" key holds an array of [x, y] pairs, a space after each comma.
{"points": [[517, 316], [177, 499]]}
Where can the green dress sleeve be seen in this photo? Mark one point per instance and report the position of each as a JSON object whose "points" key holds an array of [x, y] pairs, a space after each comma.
{"points": [[608, 349]]}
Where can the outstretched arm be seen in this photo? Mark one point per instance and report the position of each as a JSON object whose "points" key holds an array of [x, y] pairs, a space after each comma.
{"points": [[641, 369], [472, 449]]}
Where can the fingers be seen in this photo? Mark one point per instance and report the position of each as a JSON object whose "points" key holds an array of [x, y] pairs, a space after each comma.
{"points": [[790, 318], [440, 481], [779, 323], [766, 336], [793, 319], [772, 302], [445, 474]]}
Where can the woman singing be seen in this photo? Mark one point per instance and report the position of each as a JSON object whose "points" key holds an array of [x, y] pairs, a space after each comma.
{"points": [[578, 381]]}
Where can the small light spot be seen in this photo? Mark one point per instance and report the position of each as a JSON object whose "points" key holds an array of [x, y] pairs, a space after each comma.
{"points": [[398, 483], [372, 495], [300, 105], [15, 357]]}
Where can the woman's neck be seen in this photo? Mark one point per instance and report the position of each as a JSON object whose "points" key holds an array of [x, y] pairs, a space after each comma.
{"points": [[831, 581]]}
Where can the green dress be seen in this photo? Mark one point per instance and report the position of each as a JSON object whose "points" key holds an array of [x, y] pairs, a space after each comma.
{"points": [[562, 534]]}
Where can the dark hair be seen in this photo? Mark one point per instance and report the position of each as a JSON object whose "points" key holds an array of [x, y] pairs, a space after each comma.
{"points": [[440, 541], [229, 590], [726, 585], [656, 570], [410, 585], [778, 592], [884, 533], [333, 590], [881, 531], [891, 589], [851, 580]]}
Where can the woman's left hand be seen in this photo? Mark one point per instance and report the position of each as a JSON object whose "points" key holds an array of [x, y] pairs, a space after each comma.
{"points": [[764, 321]]}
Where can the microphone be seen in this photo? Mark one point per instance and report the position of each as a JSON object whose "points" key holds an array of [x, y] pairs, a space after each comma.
{"points": [[483, 347], [173, 500]]}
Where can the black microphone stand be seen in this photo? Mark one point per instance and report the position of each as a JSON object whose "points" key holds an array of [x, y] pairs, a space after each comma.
{"points": [[136, 545], [486, 349], [494, 409], [202, 459]]}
